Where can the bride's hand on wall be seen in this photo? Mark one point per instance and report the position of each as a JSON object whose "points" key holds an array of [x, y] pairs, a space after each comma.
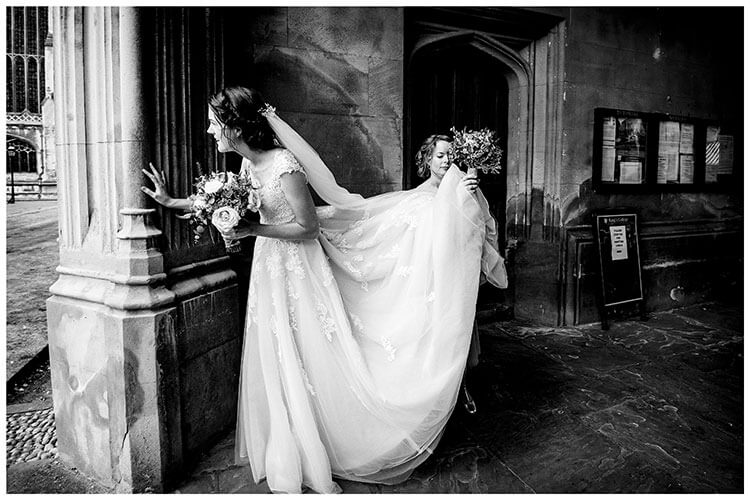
{"points": [[159, 193]]}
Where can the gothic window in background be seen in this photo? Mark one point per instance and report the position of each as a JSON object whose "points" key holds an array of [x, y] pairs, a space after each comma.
{"points": [[27, 31], [19, 85]]}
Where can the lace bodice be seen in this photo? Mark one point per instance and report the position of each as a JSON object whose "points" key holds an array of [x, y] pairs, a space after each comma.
{"points": [[274, 207]]}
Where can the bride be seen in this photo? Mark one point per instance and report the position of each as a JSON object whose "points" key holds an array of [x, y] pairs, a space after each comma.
{"points": [[359, 314]]}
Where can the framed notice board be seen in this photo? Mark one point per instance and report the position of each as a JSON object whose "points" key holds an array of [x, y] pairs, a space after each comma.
{"points": [[638, 152], [619, 261]]}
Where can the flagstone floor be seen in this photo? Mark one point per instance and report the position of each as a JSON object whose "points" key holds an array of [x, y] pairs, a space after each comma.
{"points": [[646, 407]]}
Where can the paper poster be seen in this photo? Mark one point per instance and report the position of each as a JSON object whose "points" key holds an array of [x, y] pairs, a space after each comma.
{"points": [[667, 165], [687, 168], [630, 172], [631, 138], [619, 243], [726, 154], [609, 128], [687, 138]]}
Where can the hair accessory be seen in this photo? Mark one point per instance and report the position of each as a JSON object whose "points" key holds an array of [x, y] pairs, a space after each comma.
{"points": [[266, 110]]}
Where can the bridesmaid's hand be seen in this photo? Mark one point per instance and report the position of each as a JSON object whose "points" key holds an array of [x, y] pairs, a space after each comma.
{"points": [[470, 182], [159, 193]]}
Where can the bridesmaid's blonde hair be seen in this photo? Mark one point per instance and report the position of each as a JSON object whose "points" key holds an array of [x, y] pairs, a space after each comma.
{"points": [[424, 155]]}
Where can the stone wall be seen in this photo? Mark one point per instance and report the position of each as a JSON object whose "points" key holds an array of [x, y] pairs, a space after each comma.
{"points": [[678, 61], [336, 75]]}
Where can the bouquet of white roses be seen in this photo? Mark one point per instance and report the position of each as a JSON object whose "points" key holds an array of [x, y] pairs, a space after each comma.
{"points": [[222, 199], [477, 149]]}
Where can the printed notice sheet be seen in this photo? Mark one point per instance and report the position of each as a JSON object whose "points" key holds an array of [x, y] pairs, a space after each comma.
{"points": [[687, 162], [687, 167], [630, 172], [609, 128], [619, 243], [667, 165], [687, 138]]}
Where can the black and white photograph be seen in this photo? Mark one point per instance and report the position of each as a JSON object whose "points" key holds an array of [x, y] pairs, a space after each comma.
{"points": [[382, 249]]}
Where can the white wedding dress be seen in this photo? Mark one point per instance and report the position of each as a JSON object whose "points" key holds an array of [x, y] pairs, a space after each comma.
{"points": [[355, 343]]}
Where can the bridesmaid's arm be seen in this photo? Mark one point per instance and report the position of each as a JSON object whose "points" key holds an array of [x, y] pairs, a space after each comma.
{"points": [[305, 224]]}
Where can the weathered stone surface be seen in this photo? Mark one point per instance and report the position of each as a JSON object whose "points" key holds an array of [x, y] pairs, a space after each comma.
{"points": [[207, 321], [104, 385], [536, 286], [312, 81], [615, 28], [376, 31], [239, 480], [202, 484], [80, 386], [365, 149], [266, 25], [209, 394], [386, 86]]}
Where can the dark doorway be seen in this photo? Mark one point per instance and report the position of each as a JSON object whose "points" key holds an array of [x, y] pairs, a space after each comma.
{"points": [[459, 86]]}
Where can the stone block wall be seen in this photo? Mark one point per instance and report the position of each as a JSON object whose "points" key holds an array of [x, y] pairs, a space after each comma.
{"points": [[209, 351], [336, 75]]}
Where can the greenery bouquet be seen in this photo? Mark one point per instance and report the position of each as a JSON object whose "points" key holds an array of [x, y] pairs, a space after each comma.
{"points": [[477, 150]]}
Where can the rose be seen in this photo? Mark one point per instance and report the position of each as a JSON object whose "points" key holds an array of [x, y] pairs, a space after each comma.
{"points": [[213, 186], [225, 218], [253, 200]]}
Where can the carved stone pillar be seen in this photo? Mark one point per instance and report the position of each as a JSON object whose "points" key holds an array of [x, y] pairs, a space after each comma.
{"points": [[111, 318]]}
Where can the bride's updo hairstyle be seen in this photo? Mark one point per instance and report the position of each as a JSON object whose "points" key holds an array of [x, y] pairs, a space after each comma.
{"points": [[239, 107], [424, 155]]}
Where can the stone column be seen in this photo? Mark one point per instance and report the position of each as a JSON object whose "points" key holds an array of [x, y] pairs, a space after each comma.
{"points": [[110, 318]]}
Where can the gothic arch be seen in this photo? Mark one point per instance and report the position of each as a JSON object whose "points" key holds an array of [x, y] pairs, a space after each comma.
{"points": [[520, 79], [21, 154], [510, 58]]}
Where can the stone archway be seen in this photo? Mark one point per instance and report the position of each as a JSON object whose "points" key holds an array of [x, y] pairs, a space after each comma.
{"points": [[518, 74], [531, 49]]}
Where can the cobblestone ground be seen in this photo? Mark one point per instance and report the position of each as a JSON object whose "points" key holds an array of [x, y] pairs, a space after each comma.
{"points": [[30, 436]]}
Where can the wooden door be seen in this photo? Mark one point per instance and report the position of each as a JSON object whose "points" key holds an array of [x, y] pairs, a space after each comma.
{"points": [[463, 87]]}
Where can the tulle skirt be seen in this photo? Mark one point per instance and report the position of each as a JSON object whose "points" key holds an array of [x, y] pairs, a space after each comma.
{"points": [[356, 343]]}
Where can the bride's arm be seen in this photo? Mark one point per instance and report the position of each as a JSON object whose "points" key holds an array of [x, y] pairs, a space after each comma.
{"points": [[303, 227]]}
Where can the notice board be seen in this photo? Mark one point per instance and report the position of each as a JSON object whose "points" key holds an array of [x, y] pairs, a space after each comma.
{"points": [[619, 258], [640, 152]]}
